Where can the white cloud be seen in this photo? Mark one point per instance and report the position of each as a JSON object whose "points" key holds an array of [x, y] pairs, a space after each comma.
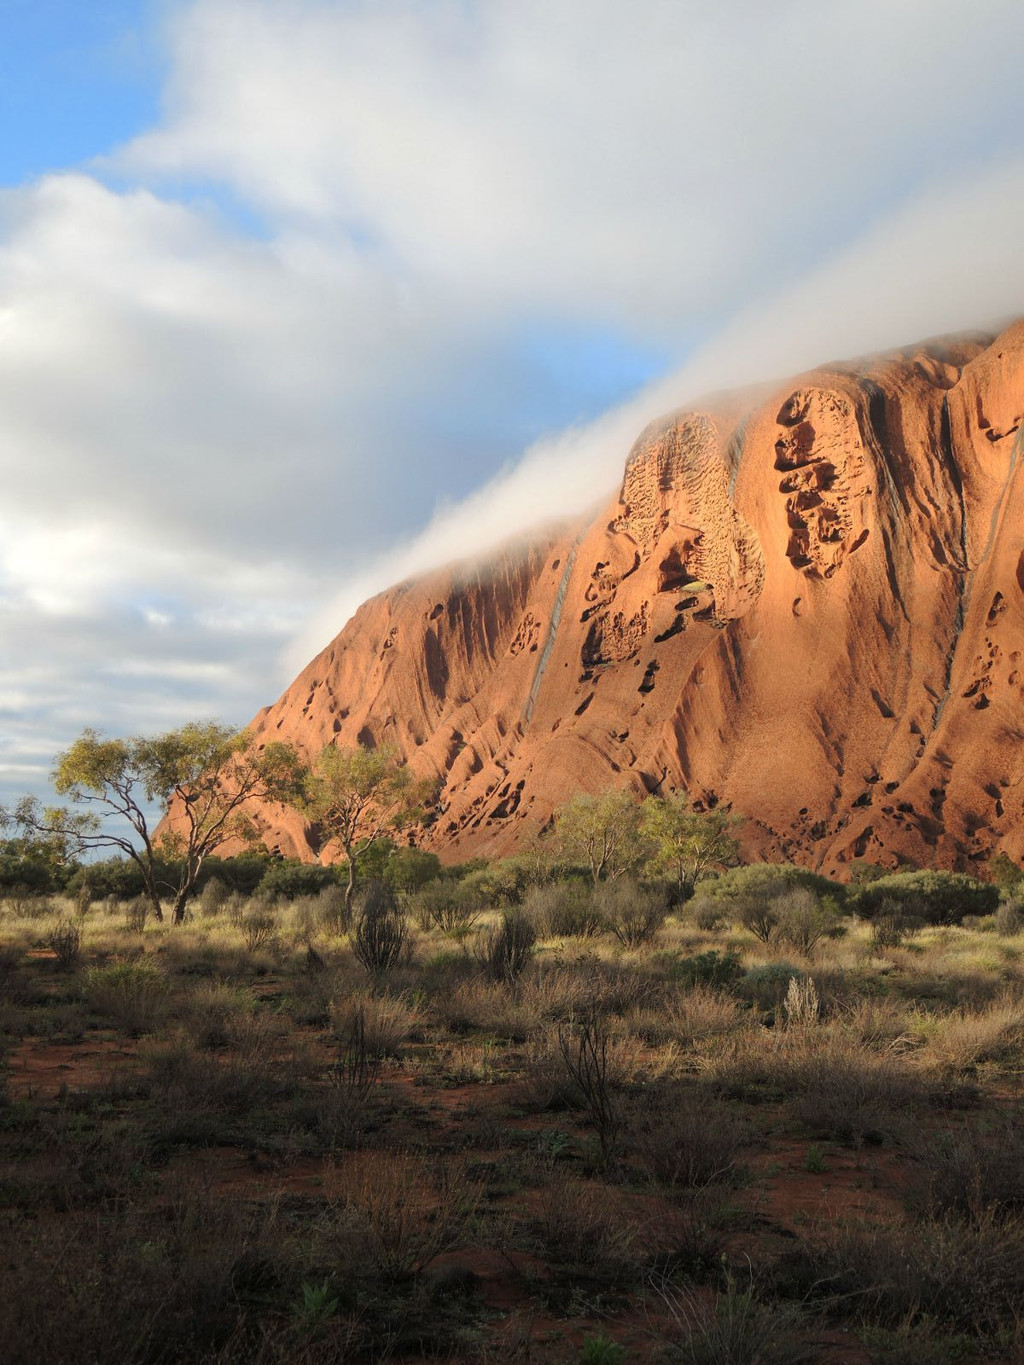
{"points": [[206, 431]]}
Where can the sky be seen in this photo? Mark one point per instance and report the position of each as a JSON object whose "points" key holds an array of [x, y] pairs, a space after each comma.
{"points": [[298, 297]]}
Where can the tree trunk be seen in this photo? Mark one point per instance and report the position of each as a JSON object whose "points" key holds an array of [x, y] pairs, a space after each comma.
{"points": [[350, 886], [180, 904], [154, 900]]}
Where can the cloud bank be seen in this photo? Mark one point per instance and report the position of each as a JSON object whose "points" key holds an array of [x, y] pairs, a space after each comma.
{"points": [[355, 304]]}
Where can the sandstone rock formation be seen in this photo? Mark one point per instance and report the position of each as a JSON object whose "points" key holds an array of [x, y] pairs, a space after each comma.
{"points": [[808, 606]]}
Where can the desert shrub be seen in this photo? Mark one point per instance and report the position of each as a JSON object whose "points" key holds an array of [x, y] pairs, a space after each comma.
{"points": [[289, 878], [564, 910], [242, 874], [385, 1021], [634, 913], [601, 1350], [939, 897], [703, 1013], [235, 907], [506, 882], [1005, 873], [213, 896], [410, 869], [136, 912], [756, 913], [118, 877], [381, 930], [394, 1216], [769, 880], [706, 912], [451, 907], [836, 1089], [332, 914], [766, 984], [136, 995], [202, 1096], [801, 1004], [213, 1010], [1009, 919], [740, 1330], [582, 1230], [505, 949], [686, 1139], [712, 968], [804, 919], [585, 1045], [967, 1038], [65, 942], [967, 1275], [895, 921], [257, 929], [975, 1171]]}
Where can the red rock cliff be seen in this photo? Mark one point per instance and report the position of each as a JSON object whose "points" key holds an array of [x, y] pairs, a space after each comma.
{"points": [[809, 607]]}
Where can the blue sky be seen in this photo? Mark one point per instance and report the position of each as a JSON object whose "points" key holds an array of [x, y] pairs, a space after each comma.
{"points": [[75, 80], [298, 297]]}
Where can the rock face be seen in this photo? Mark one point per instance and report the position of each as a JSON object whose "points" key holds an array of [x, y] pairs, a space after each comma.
{"points": [[808, 606]]}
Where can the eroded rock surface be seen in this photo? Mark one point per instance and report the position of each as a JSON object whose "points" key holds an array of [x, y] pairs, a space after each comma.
{"points": [[809, 607]]}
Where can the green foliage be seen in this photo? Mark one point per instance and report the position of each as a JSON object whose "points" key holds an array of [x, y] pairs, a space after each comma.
{"points": [[119, 878], [290, 878], [770, 879], [634, 913], [315, 1306], [862, 872], [939, 897], [356, 799], [601, 832], [685, 843], [715, 969], [565, 910], [452, 907], [242, 873], [206, 771], [409, 869], [601, 1350], [1005, 873], [134, 994], [804, 919], [33, 864]]}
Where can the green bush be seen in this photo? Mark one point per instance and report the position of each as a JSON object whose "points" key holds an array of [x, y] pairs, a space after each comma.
{"points": [[133, 994], [715, 969], [804, 919], [634, 913], [939, 897], [564, 910], [409, 869], [290, 879], [768, 880], [452, 907]]}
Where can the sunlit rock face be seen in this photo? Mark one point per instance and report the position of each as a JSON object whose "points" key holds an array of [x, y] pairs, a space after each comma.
{"points": [[807, 605]]}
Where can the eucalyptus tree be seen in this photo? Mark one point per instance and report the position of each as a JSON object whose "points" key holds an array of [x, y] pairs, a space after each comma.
{"points": [[685, 843], [201, 778], [357, 797]]}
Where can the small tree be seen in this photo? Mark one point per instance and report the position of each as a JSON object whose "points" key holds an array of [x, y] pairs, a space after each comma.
{"points": [[206, 771], [686, 843], [359, 797], [601, 832]]}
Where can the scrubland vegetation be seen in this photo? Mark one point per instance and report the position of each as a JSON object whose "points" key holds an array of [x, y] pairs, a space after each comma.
{"points": [[539, 1110]]}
